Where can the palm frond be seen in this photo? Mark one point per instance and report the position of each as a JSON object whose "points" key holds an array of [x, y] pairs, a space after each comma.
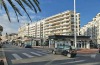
{"points": [[32, 4], [21, 4], [26, 2], [6, 9], [37, 4], [14, 7]]}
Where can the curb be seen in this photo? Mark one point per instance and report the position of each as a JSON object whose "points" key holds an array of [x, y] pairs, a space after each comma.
{"points": [[88, 51], [4, 57], [91, 51]]}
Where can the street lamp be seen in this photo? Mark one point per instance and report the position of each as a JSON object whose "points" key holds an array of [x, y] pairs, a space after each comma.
{"points": [[75, 39], [28, 29]]}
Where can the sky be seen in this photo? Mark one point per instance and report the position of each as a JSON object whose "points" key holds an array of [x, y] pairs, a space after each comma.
{"points": [[88, 9]]}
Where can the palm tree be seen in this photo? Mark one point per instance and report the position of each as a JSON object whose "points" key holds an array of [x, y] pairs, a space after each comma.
{"points": [[32, 4]]}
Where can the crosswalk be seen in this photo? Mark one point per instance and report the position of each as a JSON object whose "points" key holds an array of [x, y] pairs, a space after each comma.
{"points": [[27, 55], [18, 56]]}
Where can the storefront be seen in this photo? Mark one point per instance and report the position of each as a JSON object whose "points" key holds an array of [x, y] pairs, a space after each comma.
{"points": [[56, 40]]}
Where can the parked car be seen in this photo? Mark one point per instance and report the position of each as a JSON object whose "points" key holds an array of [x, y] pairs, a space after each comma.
{"points": [[28, 46], [66, 50]]}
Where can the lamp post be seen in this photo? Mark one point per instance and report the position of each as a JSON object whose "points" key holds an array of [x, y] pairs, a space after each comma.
{"points": [[28, 32], [75, 39]]}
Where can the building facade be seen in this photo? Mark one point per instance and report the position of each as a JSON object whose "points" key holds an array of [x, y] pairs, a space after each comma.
{"points": [[22, 31], [59, 24], [92, 29]]}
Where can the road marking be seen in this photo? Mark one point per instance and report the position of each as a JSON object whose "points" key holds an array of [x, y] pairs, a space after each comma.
{"points": [[40, 52], [27, 55], [5, 60], [35, 53], [76, 61], [93, 55], [71, 62], [17, 56]]}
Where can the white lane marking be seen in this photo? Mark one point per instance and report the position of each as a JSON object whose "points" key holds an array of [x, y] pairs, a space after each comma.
{"points": [[76, 61], [27, 55], [35, 53], [72, 62], [93, 55], [16, 56], [41, 52]]}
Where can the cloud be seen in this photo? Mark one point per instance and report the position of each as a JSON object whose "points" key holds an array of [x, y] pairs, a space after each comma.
{"points": [[10, 27], [14, 25]]}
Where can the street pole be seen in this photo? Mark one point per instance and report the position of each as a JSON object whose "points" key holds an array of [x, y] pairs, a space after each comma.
{"points": [[75, 24], [28, 33], [28, 29]]}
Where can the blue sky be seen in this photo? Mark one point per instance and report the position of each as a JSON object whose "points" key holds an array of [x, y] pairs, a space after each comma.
{"points": [[87, 9]]}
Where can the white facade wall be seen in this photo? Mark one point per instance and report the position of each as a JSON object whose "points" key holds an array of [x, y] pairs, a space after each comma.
{"points": [[92, 29], [22, 31], [59, 24]]}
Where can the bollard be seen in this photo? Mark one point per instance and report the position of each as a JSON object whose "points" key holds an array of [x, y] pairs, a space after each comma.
{"points": [[1, 62]]}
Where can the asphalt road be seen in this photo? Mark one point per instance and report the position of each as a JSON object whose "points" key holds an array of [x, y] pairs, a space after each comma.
{"points": [[22, 56]]}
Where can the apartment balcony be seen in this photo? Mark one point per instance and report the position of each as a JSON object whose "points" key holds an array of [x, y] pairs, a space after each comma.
{"points": [[52, 21], [57, 18], [65, 24]]}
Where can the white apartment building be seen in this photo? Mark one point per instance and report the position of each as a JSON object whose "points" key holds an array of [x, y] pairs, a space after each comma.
{"points": [[92, 29], [39, 33], [31, 30], [22, 31], [61, 24], [34, 30], [39, 29]]}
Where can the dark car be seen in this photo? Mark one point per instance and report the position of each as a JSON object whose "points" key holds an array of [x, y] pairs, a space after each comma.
{"points": [[28, 46], [66, 50]]}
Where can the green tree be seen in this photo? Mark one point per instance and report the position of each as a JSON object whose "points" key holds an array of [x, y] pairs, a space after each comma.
{"points": [[32, 4]]}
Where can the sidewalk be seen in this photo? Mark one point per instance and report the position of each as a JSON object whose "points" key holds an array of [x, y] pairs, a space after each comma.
{"points": [[85, 51], [2, 56]]}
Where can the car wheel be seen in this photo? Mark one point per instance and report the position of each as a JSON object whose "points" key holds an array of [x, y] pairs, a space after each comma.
{"points": [[54, 52], [69, 55]]}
